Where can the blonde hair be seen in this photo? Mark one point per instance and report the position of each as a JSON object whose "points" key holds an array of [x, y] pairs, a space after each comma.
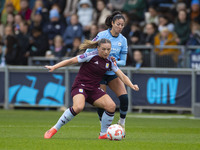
{"points": [[93, 44]]}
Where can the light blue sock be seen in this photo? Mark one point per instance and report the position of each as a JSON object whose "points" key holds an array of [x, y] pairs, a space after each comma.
{"points": [[65, 118], [106, 121]]}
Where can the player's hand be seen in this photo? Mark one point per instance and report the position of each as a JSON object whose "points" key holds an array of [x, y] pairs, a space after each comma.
{"points": [[113, 59], [135, 87], [50, 68]]}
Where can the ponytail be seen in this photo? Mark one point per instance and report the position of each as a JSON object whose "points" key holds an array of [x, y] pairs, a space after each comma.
{"points": [[113, 17], [93, 44], [88, 44]]}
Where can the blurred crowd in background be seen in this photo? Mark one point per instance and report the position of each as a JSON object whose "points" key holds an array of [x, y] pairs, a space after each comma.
{"points": [[56, 28]]}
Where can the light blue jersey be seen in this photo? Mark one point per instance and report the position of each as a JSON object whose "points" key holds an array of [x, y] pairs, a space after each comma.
{"points": [[119, 47]]}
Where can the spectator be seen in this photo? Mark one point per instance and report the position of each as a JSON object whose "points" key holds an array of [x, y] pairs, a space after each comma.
{"points": [[23, 40], [58, 8], [38, 43], [58, 50], [37, 20], [75, 49], [102, 12], [182, 27], [18, 19], [135, 9], [138, 61], [86, 15], [9, 9], [167, 57], [8, 31], [164, 22], [152, 15], [135, 33], [115, 5], [25, 11], [194, 38], [149, 34], [127, 26], [180, 6], [195, 12], [70, 8], [54, 27], [74, 29], [135, 38], [12, 49], [93, 32], [10, 19], [39, 9], [60, 3], [16, 4]]}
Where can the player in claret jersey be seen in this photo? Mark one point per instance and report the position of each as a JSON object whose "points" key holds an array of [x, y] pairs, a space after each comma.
{"points": [[86, 87]]}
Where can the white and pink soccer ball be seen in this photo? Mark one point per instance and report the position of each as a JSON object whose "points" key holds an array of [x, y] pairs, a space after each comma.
{"points": [[115, 132]]}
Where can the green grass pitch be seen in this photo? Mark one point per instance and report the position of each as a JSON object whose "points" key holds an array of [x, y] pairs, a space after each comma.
{"points": [[24, 130]]}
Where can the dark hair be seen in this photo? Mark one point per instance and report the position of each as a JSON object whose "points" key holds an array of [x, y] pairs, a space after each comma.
{"points": [[103, 41], [153, 25], [11, 43], [153, 7], [116, 15]]}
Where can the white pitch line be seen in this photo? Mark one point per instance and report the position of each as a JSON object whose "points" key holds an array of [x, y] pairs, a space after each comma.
{"points": [[161, 117]]}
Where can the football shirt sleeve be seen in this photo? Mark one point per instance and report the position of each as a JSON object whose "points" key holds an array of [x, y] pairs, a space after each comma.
{"points": [[86, 57], [114, 66]]}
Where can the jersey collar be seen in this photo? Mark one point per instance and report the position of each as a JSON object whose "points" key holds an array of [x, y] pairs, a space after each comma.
{"points": [[111, 34]]}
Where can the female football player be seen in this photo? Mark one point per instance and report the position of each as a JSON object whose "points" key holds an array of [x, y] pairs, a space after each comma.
{"points": [[119, 50], [86, 87]]}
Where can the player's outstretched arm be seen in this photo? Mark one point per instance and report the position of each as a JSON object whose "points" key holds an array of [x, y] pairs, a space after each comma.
{"points": [[63, 63], [126, 80]]}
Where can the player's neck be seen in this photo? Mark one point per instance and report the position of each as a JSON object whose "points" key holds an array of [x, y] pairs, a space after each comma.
{"points": [[114, 34]]}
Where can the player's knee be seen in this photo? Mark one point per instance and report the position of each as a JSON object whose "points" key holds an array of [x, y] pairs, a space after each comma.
{"points": [[78, 109], [111, 107]]}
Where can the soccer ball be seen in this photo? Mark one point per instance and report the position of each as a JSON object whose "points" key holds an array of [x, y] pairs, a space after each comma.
{"points": [[115, 132]]}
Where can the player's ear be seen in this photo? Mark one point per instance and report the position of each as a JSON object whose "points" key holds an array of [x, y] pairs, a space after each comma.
{"points": [[112, 23], [98, 47]]}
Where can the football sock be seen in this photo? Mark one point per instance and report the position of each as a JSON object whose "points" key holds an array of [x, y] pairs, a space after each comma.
{"points": [[123, 108], [65, 118], [122, 121], [100, 112], [106, 121]]}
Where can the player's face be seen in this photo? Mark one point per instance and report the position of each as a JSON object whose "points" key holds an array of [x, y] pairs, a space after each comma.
{"points": [[104, 50], [118, 25]]}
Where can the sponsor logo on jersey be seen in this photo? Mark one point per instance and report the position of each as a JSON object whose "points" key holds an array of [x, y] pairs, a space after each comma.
{"points": [[81, 90], [83, 56], [95, 39], [107, 65], [96, 62], [119, 44]]}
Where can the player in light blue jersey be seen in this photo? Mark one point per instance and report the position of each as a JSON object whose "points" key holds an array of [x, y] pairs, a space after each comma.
{"points": [[119, 50]]}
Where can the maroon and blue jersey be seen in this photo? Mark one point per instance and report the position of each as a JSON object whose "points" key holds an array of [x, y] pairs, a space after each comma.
{"points": [[92, 70]]}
